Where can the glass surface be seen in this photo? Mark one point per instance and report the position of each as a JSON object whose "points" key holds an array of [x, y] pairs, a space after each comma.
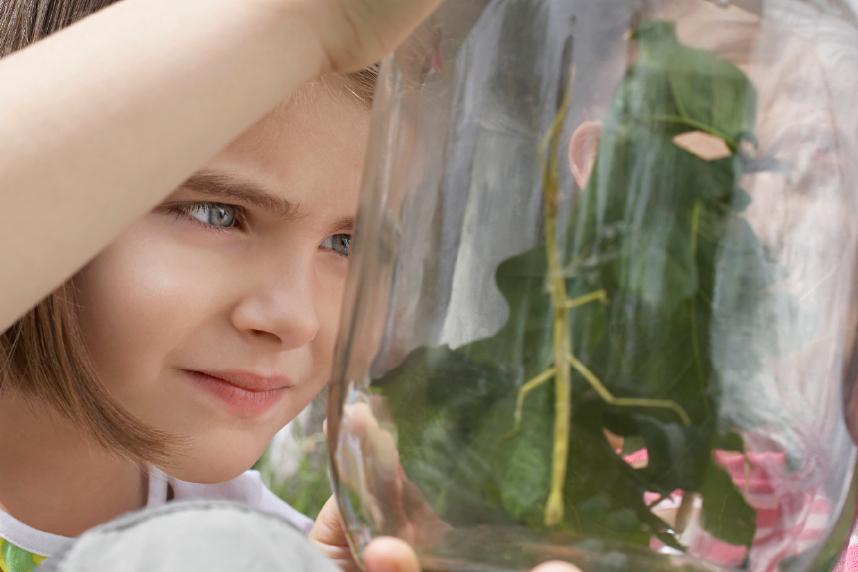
{"points": [[602, 305]]}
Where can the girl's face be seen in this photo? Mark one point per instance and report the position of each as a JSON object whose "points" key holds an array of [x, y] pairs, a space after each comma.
{"points": [[214, 317]]}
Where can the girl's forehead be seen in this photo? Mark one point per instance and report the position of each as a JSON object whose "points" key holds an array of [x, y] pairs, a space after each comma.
{"points": [[315, 113], [313, 143]]}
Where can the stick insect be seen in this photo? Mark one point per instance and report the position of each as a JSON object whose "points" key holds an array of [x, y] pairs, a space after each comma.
{"points": [[564, 359]]}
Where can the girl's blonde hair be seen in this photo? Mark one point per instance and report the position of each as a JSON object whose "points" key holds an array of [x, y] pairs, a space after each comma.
{"points": [[43, 356]]}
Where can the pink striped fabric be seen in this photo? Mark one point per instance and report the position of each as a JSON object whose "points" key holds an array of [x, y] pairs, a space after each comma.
{"points": [[788, 523], [849, 558]]}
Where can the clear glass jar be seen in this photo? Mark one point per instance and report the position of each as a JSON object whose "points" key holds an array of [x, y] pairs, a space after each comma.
{"points": [[601, 307]]}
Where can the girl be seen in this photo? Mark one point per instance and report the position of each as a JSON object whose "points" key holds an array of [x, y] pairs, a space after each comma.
{"points": [[155, 313]]}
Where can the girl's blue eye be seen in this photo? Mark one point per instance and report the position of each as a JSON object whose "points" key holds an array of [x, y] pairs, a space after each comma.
{"points": [[215, 215], [339, 243]]}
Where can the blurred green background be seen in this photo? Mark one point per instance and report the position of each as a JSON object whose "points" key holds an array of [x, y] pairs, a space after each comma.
{"points": [[295, 466]]}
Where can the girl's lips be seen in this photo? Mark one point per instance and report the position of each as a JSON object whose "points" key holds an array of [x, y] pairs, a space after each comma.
{"points": [[245, 394]]}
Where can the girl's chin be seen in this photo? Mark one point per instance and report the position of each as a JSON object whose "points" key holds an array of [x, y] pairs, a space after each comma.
{"points": [[206, 470], [207, 451]]}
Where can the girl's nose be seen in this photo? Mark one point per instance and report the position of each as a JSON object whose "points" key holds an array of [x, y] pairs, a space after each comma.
{"points": [[282, 311]]}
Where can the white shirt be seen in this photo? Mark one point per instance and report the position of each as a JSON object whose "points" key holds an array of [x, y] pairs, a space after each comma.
{"points": [[247, 488]]}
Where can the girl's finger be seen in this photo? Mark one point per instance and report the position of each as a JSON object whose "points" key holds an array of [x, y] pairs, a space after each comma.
{"points": [[388, 554]]}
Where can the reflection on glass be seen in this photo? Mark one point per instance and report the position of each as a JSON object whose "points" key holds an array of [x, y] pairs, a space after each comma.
{"points": [[601, 307]]}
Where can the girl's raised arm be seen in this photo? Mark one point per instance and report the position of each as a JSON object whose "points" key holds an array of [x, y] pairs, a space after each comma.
{"points": [[102, 120]]}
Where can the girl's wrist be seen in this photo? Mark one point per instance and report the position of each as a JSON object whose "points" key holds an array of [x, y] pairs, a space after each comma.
{"points": [[352, 34], [298, 23]]}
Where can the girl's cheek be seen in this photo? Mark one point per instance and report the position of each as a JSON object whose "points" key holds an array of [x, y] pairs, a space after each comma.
{"points": [[142, 297]]}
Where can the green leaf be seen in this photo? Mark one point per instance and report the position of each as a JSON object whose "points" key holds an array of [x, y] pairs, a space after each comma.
{"points": [[525, 476], [726, 515], [440, 401], [684, 89], [660, 232]]}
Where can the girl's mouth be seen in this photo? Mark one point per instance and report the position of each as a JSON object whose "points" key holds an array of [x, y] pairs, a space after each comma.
{"points": [[245, 394]]}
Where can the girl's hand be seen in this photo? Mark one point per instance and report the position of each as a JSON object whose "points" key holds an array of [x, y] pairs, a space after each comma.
{"points": [[393, 498], [328, 534], [356, 33], [383, 554]]}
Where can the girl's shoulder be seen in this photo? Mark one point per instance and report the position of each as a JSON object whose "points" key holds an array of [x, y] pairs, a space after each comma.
{"points": [[247, 488]]}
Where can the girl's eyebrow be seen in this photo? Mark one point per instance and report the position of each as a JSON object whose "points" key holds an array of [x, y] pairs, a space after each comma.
{"points": [[223, 185]]}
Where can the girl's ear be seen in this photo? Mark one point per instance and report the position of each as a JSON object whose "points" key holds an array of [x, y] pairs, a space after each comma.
{"points": [[582, 151]]}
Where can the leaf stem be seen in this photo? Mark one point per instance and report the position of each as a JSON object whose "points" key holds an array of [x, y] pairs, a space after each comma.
{"points": [[695, 335]]}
